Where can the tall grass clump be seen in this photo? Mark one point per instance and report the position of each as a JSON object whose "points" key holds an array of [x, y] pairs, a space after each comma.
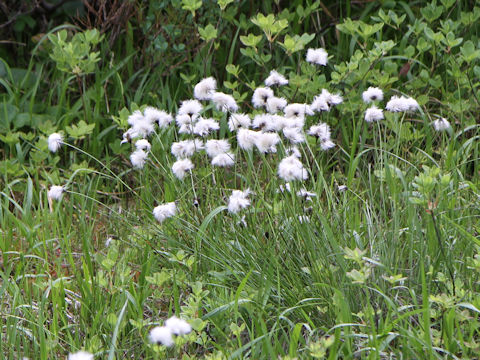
{"points": [[295, 190]]}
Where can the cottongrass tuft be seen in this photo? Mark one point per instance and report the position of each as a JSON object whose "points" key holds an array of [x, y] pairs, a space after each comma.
{"points": [[441, 124], [260, 96], [154, 115], [372, 94], [238, 200], [181, 167], [224, 102], [275, 104], [275, 78], [161, 335], [138, 158], [297, 110], [290, 168], [143, 144], [204, 126], [55, 192], [216, 147], [178, 326], [165, 211], [239, 120], [401, 104], [190, 108], [55, 140], [224, 160], [267, 142], [373, 114], [186, 148], [205, 89], [317, 56], [247, 138], [80, 355]]}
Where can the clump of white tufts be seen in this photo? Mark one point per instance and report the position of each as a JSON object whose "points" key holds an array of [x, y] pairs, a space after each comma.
{"points": [[275, 104], [165, 211], [135, 117], [161, 335], [317, 56], [178, 326], [297, 110], [55, 192], [205, 89], [290, 168], [55, 140], [247, 138], [267, 142], [372, 94], [186, 148], [224, 160], [322, 131], [401, 104], [224, 102], [204, 126], [143, 144], [260, 96], [191, 108], [275, 78], [80, 355], [294, 134], [373, 114], [154, 115], [441, 124], [216, 147], [239, 120], [238, 200], [181, 167], [138, 158], [319, 104]]}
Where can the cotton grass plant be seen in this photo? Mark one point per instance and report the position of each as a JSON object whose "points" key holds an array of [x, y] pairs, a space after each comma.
{"points": [[296, 214]]}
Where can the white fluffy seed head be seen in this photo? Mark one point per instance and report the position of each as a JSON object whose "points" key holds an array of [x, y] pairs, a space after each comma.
{"points": [[247, 138], [54, 142], [186, 148], [224, 102], [143, 144], [216, 147], [178, 326], [290, 168], [267, 142], [191, 108], [317, 56], [275, 78], [401, 104], [297, 110], [260, 96], [239, 120], [204, 126], [164, 211], [441, 124], [80, 355], [372, 94], [275, 104], [138, 158], [224, 160], [55, 192], [238, 201], [373, 114], [181, 167], [205, 89], [294, 134], [161, 335], [135, 117]]}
